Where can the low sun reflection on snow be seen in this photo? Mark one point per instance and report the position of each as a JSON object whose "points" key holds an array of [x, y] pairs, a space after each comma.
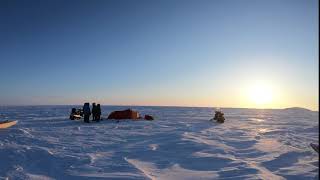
{"points": [[263, 130], [257, 119]]}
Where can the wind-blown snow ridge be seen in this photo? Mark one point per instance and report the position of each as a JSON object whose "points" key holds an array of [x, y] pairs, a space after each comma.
{"points": [[180, 144], [173, 172]]}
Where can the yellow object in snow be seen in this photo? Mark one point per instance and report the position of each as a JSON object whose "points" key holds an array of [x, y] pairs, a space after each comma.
{"points": [[6, 124]]}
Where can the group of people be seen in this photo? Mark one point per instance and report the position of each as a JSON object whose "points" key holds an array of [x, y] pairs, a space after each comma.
{"points": [[96, 112]]}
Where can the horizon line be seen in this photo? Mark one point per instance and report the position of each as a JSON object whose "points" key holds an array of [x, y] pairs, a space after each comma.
{"points": [[317, 110]]}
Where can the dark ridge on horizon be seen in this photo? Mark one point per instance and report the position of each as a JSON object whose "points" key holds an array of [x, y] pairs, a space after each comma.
{"points": [[298, 109]]}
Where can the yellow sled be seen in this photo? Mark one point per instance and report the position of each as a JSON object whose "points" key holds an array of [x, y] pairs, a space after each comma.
{"points": [[6, 124]]}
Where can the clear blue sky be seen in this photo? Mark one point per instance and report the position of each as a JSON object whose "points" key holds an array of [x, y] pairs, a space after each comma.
{"points": [[168, 52]]}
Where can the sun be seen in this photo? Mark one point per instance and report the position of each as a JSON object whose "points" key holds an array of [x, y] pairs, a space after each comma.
{"points": [[260, 94]]}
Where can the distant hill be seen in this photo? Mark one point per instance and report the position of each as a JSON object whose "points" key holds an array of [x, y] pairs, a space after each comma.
{"points": [[295, 109]]}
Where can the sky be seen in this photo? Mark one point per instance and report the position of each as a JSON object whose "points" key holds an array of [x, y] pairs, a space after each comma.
{"points": [[209, 53]]}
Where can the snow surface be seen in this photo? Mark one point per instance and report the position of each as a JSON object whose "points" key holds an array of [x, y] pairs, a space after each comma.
{"points": [[180, 144]]}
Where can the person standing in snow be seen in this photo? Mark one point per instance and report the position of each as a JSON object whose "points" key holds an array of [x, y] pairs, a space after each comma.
{"points": [[86, 112], [98, 113], [94, 112]]}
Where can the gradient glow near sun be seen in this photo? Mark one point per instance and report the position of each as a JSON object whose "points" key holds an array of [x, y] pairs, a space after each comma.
{"points": [[260, 94]]}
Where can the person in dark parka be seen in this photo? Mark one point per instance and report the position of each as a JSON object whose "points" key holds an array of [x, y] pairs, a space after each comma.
{"points": [[94, 112], [86, 112], [98, 113], [73, 112]]}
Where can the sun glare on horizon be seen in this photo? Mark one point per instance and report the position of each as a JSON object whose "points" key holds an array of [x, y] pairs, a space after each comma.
{"points": [[260, 94]]}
